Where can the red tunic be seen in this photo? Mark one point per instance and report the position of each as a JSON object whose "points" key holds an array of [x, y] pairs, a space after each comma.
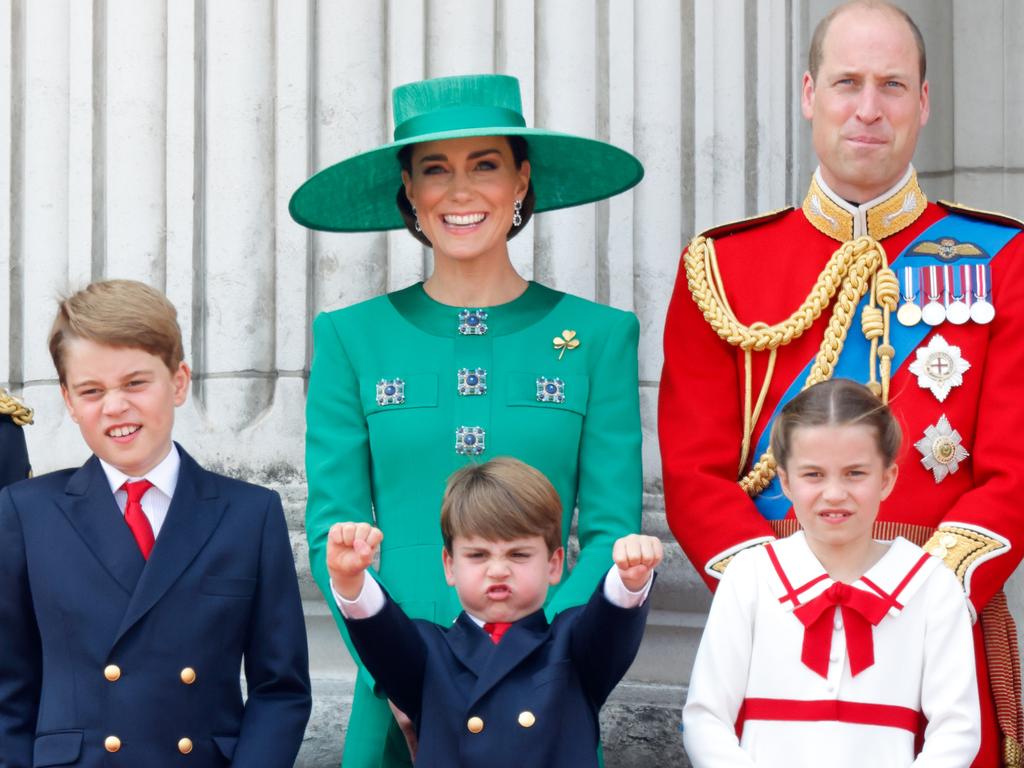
{"points": [[768, 266]]}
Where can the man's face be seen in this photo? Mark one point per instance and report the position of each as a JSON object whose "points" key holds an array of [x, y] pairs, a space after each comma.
{"points": [[867, 104]]}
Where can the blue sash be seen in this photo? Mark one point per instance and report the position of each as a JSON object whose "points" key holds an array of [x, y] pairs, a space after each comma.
{"points": [[852, 363]]}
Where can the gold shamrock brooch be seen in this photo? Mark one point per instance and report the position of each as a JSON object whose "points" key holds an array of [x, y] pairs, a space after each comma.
{"points": [[566, 341]]}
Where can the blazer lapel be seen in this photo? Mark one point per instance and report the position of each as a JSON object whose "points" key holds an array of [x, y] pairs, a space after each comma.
{"points": [[195, 512], [92, 511], [520, 641], [470, 644]]}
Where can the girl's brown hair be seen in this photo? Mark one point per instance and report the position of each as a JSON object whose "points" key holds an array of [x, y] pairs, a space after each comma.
{"points": [[837, 402], [501, 500]]}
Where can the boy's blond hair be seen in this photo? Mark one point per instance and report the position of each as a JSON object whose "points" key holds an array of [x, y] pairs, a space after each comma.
{"points": [[501, 500], [118, 313]]}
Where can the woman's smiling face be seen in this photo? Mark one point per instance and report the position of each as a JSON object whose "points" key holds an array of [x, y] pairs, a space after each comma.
{"points": [[464, 191]]}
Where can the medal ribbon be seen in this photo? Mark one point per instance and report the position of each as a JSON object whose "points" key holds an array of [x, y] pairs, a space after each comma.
{"points": [[771, 502], [860, 610]]}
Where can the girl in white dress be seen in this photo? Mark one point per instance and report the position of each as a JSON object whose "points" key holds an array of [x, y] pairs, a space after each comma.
{"points": [[829, 647]]}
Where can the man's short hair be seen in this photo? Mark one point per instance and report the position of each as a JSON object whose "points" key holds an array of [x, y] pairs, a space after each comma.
{"points": [[816, 52], [501, 500], [118, 313]]}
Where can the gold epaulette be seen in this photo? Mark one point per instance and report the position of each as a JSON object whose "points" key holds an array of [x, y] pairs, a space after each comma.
{"points": [[977, 213], [11, 406], [753, 221]]}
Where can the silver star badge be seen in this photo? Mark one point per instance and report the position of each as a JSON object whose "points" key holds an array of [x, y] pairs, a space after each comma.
{"points": [[941, 450], [939, 367]]}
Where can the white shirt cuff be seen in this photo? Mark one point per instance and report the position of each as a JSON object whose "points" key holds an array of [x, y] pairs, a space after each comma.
{"points": [[369, 602], [617, 594]]}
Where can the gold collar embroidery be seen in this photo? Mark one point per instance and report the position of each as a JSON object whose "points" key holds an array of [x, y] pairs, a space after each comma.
{"points": [[879, 218]]}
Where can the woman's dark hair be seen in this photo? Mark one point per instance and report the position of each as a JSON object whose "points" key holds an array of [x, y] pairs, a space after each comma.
{"points": [[520, 152], [836, 402]]}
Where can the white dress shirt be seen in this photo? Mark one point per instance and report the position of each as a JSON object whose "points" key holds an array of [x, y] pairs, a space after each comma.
{"points": [[155, 501]]}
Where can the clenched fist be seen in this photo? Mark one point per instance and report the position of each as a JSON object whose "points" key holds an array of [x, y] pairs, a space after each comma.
{"points": [[350, 550], [636, 556]]}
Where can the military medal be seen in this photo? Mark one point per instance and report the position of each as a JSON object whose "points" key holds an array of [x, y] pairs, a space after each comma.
{"points": [[957, 311], [909, 313], [941, 450], [933, 312], [982, 310], [939, 367]]}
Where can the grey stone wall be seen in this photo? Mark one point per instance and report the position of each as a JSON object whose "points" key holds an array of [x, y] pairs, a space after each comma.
{"points": [[160, 140]]}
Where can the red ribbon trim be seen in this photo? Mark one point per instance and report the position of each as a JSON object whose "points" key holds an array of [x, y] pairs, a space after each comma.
{"points": [[859, 713]]}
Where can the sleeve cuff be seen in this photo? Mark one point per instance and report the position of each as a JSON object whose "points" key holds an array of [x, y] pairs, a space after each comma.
{"points": [[617, 594], [369, 602]]}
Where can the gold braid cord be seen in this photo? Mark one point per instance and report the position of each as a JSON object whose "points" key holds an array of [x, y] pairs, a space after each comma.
{"points": [[11, 406], [858, 267]]}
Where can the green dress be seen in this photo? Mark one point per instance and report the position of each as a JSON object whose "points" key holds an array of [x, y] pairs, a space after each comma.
{"points": [[403, 391]]}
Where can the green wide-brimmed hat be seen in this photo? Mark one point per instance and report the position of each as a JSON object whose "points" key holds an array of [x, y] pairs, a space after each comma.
{"points": [[358, 194]]}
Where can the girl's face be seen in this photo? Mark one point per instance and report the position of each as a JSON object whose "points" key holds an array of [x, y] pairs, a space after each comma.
{"points": [[836, 478], [463, 191]]}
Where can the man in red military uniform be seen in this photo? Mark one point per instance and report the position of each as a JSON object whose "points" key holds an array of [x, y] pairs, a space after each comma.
{"points": [[763, 307]]}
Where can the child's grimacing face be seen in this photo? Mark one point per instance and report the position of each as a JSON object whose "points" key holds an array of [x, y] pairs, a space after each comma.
{"points": [[836, 478], [501, 580], [123, 400]]}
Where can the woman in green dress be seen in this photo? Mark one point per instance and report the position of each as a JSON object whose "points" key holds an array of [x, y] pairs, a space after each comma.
{"points": [[475, 362]]}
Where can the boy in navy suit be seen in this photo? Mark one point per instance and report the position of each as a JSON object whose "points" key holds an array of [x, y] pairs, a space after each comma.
{"points": [[501, 687], [135, 587]]}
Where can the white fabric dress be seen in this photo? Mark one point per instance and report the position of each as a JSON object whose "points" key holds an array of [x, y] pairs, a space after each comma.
{"points": [[749, 667]]}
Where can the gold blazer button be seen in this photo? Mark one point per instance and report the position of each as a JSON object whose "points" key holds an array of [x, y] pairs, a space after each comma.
{"points": [[188, 675], [475, 724], [112, 672], [185, 745], [112, 744], [527, 719]]}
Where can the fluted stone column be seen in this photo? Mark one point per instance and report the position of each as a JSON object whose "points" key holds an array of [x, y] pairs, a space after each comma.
{"points": [[161, 141]]}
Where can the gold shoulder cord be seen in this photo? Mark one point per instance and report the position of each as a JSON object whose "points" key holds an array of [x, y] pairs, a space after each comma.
{"points": [[857, 267], [11, 406]]}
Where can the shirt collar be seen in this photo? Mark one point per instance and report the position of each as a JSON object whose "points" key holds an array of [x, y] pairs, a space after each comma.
{"points": [[164, 476], [890, 212]]}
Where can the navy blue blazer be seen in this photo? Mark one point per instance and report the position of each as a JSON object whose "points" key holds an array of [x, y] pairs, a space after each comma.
{"points": [[102, 649], [533, 699], [13, 454]]}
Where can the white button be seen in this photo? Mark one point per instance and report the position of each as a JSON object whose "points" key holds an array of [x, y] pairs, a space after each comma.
{"points": [[838, 624], [834, 658], [830, 688]]}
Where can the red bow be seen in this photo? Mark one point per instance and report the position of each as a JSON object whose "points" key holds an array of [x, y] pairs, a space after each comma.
{"points": [[861, 611]]}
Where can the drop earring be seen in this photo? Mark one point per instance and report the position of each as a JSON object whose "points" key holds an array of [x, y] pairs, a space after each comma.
{"points": [[417, 224], [517, 217]]}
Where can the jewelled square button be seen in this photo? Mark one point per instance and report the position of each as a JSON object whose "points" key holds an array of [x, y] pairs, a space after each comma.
{"points": [[473, 322], [472, 381], [469, 441], [550, 390], [390, 392]]}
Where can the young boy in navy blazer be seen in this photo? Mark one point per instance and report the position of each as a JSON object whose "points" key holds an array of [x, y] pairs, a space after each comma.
{"points": [[501, 687], [136, 587]]}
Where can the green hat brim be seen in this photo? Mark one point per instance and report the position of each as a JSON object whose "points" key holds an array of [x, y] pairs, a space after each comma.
{"points": [[358, 194]]}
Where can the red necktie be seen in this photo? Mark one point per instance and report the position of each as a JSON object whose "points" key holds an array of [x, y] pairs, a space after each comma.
{"points": [[496, 629], [861, 611], [137, 521]]}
